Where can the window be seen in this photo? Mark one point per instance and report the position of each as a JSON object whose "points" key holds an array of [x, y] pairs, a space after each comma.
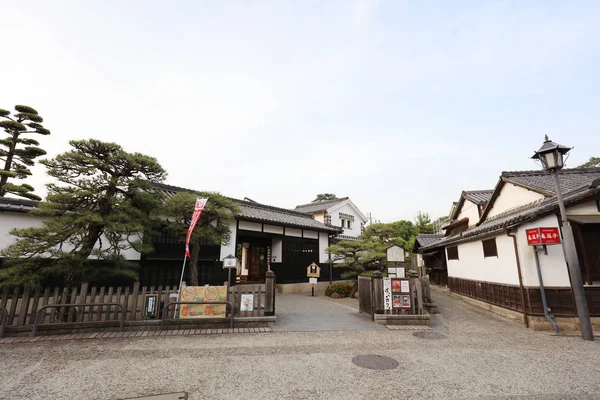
{"points": [[329, 219], [348, 224], [489, 248], [452, 252]]}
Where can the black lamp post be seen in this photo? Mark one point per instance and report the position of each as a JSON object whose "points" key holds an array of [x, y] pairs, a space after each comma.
{"points": [[551, 155]]}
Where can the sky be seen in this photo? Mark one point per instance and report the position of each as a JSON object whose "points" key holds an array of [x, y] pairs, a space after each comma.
{"points": [[399, 105]]}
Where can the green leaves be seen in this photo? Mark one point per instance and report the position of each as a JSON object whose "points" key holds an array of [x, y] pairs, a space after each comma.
{"points": [[97, 209], [16, 158], [12, 126]]}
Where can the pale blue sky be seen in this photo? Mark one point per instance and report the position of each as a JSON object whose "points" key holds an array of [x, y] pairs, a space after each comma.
{"points": [[399, 105]]}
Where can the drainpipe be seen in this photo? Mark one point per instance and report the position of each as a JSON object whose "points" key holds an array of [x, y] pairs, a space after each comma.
{"points": [[549, 316], [513, 235]]}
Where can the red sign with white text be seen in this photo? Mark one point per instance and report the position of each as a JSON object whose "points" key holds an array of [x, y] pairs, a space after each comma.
{"points": [[539, 236], [550, 235], [533, 236]]}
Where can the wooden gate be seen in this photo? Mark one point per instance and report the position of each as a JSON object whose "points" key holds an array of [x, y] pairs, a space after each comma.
{"points": [[365, 296]]}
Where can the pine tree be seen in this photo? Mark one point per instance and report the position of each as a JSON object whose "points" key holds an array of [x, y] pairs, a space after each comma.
{"points": [[20, 151], [101, 208], [212, 227]]}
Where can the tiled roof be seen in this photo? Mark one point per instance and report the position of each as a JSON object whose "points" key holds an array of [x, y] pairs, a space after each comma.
{"points": [[319, 205], [543, 181], [11, 204], [478, 196], [520, 215], [426, 239], [252, 211]]}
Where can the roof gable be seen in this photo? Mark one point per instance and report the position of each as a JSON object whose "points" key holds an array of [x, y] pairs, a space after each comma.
{"points": [[317, 206], [351, 204]]}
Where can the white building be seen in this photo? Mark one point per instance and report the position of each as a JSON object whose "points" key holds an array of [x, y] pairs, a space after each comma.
{"points": [[340, 212], [488, 258]]}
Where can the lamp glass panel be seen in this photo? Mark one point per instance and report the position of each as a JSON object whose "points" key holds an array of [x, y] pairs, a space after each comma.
{"points": [[559, 159], [550, 160]]}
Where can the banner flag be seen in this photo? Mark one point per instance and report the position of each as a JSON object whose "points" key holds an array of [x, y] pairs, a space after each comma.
{"points": [[200, 203]]}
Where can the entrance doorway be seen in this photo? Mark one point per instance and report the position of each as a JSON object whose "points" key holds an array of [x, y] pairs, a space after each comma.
{"points": [[254, 259]]}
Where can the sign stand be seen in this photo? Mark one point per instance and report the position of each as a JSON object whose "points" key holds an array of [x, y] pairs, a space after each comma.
{"points": [[313, 272]]}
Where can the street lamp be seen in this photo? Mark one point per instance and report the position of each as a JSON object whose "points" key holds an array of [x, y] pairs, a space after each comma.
{"points": [[551, 156]]}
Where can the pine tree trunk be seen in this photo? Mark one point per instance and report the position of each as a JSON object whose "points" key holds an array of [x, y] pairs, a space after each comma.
{"points": [[7, 165]]}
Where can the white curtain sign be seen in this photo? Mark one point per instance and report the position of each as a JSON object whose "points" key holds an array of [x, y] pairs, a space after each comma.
{"points": [[387, 293]]}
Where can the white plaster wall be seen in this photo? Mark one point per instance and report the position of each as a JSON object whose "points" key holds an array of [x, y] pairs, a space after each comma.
{"points": [[19, 220], [273, 229], [276, 250], [250, 226], [347, 209], [587, 208], [512, 196], [553, 266], [472, 265], [293, 232], [311, 234], [323, 245], [227, 249], [15, 220], [320, 217], [469, 210]]}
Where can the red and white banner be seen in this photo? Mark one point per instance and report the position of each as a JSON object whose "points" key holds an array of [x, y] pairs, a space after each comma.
{"points": [[200, 203]]}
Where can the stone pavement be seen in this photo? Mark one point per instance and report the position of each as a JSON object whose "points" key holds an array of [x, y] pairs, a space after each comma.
{"points": [[303, 313], [132, 334], [469, 353]]}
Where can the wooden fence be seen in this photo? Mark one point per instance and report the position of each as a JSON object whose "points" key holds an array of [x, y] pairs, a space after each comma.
{"points": [[22, 305]]}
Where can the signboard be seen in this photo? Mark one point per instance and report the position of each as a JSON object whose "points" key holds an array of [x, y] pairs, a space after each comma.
{"points": [[313, 271], [229, 262], [312, 280], [395, 253], [405, 301], [387, 294], [151, 305], [203, 293], [247, 302], [541, 236]]}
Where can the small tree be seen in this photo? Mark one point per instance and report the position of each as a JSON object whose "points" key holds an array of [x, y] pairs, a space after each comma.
{"points": [[593, 162], [324, 197], [212, 227], [423, 223], [351, 255], [102, 209], [20, 152]]}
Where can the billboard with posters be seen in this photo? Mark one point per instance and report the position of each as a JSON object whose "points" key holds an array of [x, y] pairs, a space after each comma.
{"points": [[203, 293]]}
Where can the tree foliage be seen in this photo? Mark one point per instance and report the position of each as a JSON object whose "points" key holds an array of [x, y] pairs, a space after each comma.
{"points": [[593, 162], [19, 152], [324, 197], [423, 223], [212, 227], [100, 208]]}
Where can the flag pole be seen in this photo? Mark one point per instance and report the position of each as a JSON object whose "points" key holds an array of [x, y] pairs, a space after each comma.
{"points": [[179, 287]]}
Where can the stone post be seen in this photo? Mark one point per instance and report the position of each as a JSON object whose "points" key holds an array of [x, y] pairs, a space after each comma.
{"points": [[270, 294], [377, 294]]}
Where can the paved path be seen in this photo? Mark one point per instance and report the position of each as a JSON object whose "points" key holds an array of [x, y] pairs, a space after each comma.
{"points": [[481, 356], [304, 313]]}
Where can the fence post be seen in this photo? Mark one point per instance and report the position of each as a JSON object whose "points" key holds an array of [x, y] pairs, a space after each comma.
{"points": [[378, 292], [270, 294]]}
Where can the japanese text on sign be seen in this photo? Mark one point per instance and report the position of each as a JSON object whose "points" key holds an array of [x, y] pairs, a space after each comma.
{"points": [[387, 293], [539, 236]]}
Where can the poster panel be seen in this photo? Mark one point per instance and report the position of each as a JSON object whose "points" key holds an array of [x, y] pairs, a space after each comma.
{"points": [[203, 293], [247, 302], [405, 301]]}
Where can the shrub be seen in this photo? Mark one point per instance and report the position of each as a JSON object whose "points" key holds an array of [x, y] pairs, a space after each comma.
{"points": [[341, 288]]}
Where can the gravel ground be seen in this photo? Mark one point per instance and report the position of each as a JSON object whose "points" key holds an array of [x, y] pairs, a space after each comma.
{"points": [[481, 355]]}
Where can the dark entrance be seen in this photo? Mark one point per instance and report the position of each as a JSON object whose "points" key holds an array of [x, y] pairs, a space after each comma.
{"points": [[587, 239], [254, 254]]}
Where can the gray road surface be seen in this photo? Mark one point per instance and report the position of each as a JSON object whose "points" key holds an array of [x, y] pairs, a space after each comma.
{"points": [[303, 313], [481, 356]]}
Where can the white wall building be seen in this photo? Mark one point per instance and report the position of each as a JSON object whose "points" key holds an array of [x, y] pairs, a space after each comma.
{"points": [[338, 212], [488, 257]]}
